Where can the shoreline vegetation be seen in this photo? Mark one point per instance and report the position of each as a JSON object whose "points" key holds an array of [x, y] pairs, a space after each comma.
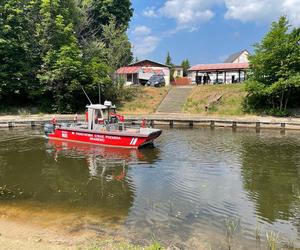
{"points": [[218, 101], [24, 227]]}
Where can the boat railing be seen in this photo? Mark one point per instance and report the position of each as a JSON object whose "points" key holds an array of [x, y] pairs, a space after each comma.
{"points": [[132, 129]]}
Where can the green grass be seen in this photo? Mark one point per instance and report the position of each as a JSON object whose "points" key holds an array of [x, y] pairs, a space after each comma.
{"points": [[145, 100], [231, 102]]}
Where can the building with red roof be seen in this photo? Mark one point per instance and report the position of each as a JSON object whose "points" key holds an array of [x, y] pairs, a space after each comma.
{"points": [[140, 72], [233, 70]]}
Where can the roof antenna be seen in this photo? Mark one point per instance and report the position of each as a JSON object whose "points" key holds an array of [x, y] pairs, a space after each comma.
{"points": [[86, 95]]}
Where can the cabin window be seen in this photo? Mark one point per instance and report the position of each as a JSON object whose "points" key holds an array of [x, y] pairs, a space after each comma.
{"points": [[98, 116]]}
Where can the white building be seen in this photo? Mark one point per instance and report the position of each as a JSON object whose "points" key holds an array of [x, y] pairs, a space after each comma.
{"points": [[178, 72], [233, 70]]}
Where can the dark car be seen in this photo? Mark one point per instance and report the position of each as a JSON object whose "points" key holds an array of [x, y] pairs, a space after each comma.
{"points": [[156, 81]]}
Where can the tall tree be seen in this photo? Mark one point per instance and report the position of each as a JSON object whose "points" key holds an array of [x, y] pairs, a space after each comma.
{"points": [[185, 65], [117, 45], [19, 52], [48, 48], [100, 12], [61, 68], [171, 65], [275, 68], [168, 60]]}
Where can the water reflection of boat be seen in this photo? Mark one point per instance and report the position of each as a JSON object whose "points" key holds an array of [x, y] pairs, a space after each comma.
{"points": [[66, 148], [105, 184]]}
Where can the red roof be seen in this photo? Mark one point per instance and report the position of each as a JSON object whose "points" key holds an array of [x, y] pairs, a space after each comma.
{"points": [[129, 70], [219, 66]]}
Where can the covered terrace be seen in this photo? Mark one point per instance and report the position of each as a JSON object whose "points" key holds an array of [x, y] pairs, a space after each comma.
{"points": [[218, 73]]}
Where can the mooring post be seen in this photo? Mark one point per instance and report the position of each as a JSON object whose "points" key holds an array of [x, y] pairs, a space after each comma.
{"points": [[257, 127], [282, 126], [152, 123], [10, 124], [191, 124], [171, 124], [234, 125], [32, 124], [212, 124]]}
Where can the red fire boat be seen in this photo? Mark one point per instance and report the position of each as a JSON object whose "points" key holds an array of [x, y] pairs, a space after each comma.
{"points": [[103, 127]]}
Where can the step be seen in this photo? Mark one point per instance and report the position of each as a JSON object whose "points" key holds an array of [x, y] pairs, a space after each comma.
{"points": [[175, 100]]}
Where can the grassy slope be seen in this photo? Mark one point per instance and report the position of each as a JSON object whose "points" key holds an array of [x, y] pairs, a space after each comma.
{"points": [[231, 102], [145, 101]]}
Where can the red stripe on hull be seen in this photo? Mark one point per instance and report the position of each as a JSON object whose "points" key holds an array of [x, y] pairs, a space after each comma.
{"points": [[103, 139]]}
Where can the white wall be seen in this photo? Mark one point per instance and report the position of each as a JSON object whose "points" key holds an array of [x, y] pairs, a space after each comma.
{"points": [[243, 58], [213, 76], [178, 72]]}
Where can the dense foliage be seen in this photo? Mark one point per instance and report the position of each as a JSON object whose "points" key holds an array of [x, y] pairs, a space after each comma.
{"points": [[50, 48], [274, 79], [169, 63]]}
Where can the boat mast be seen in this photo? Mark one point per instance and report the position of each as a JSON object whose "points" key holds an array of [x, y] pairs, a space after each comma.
{"points": [[86, 95]]}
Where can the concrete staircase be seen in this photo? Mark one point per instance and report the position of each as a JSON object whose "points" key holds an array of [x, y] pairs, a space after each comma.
{"points": [[175, 100]]}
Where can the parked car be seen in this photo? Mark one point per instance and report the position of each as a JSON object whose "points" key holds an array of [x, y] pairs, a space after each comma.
{"points": [[156, 81]]}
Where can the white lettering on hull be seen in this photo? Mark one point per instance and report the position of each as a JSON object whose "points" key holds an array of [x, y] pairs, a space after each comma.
{"points": [[64, 135]]}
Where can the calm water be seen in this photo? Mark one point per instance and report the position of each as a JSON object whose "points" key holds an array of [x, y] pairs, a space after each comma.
{"points": [[180, 192]]}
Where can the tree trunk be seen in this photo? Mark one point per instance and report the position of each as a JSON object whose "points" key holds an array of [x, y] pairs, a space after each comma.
{"points": [[287, 99], [281, 101]]}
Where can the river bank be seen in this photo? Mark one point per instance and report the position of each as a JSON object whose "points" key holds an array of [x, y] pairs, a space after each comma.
{"points": [[25, 227], [165, 119]]}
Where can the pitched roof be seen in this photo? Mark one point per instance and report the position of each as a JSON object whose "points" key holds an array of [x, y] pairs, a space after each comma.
{"points": [[141, 63], [219, 66], [234, 56], [129, 70]]}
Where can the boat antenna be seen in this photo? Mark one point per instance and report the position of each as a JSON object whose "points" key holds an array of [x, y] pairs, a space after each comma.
{"points": [[99, 89], [86, 95]]}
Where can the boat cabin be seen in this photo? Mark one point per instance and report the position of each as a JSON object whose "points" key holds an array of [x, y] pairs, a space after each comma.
{"points": [[98, 115], [95, 115]]}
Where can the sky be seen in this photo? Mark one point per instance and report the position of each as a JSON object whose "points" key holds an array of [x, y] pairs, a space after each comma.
{"points": [[203, 31]]}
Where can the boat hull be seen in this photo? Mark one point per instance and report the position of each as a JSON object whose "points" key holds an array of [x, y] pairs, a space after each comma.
{"points": [[105, 138]]}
